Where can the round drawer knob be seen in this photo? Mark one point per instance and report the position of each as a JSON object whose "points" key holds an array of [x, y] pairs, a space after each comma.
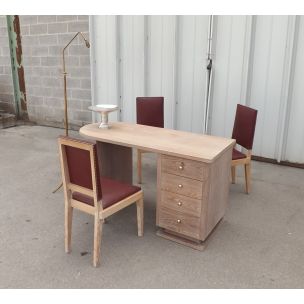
{"points": [[180, 186], [181, 166], [179, 221], [179, 203]]}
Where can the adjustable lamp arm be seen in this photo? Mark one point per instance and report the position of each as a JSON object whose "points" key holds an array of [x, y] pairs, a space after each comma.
{"points": [[66, 125]]}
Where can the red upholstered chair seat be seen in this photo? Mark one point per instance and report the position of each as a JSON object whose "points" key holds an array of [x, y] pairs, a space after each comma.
{"points": [[237, 154], [112, 192]]}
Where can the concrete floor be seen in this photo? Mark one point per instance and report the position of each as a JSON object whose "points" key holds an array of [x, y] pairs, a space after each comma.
{"points": [[259, 244]]}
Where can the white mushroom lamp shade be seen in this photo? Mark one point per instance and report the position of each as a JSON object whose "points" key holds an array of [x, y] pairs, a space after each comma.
{"points": [[104, 110]]}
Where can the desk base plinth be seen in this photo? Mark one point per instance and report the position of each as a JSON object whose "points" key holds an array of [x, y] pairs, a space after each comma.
{"points": [[198, 245]]}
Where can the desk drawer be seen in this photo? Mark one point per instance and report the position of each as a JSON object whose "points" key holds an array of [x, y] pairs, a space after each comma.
{"points": [[181, 203], [182, 185], [184, 167], [179, 222]]}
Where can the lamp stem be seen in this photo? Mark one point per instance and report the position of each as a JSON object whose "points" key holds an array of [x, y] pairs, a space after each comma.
{"points": [[65, 106]]}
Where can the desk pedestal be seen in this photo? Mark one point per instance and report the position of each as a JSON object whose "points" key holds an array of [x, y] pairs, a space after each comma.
{"points": [[192, 197]]}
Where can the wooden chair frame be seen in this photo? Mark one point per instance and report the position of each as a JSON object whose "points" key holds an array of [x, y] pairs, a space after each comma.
{"points": [[97, 210], [247, 166]]}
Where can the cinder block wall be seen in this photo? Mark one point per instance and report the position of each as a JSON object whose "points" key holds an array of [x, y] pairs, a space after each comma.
{"points": [[43, 38], [6, 83]]}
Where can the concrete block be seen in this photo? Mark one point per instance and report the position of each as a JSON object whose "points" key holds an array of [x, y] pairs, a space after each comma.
{"points": [[47, 18], [32, 61], [40, 71], [71, 61], [79, 26], [82, 115], [51, 61], [48, 40], [6, 97], [57, 28], [28, 19], [54, 102], [75, 104], [3, 32], [85, 104], [34, 100], [86, 84], [64, 18], [80, 72], [79, 50], [40, 51], [81, 94], [5, 51], [3, 20], [63, 39], [5, 60], [73, 83], [38, 29], [33, 80], [85, 60], [25, 30], [6, 88], [83, 18], [55, 50], [52, 82], [30, 40], [3, 41]]}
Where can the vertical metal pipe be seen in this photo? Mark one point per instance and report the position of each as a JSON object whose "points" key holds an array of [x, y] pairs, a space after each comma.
{"points": [[175, 81], [208, 75], [93, 65], [146, 53], [14, 36], [119, 71], [289, 64], [66, 126]]}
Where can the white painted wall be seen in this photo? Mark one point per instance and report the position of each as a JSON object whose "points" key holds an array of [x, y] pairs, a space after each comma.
{"points": [[257, 61]]}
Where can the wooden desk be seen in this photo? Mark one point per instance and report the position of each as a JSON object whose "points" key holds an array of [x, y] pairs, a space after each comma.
{"points": [[193, 174]]}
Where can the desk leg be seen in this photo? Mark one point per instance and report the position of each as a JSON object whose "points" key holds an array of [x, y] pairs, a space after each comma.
{"points": [[115, 161]]}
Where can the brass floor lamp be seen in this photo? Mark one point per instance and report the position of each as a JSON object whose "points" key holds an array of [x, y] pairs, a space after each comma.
{"points": [[66, 122]]}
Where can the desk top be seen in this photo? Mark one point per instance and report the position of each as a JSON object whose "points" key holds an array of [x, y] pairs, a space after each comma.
{"points": [[199, 147]]}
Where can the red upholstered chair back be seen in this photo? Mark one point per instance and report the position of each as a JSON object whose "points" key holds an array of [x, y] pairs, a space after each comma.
{"points": [[150, 111], [79, 165], [244, 126]]}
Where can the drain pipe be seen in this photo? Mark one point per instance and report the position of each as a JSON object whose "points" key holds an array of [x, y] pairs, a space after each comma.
{"points": [[208, 75], [14, 36]]}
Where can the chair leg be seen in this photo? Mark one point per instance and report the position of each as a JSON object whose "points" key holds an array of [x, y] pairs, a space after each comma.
{"points": [[139, 166], [68, 227], [140, 217], [97, 240], [233, 174], [248, 177]]}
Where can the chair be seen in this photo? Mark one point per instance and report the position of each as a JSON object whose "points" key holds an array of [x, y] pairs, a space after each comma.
{"points": [[149, 112], [87, 191], [243, 133]]}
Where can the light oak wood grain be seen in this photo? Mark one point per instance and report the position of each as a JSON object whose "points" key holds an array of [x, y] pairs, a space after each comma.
{"points": [[187, 145], [181, 185], [184, 167], [177, 238], [246, 162], [218, 192], [182, 223], [181, 203]]}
